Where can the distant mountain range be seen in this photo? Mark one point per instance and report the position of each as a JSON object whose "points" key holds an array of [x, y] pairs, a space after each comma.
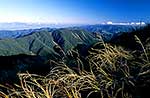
{"points": [[41, 41], [15, 30], [108, 31], [22, 26]]}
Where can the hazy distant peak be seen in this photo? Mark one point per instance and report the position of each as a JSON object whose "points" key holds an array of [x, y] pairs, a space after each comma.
{"points": [[21, 25], [123, 23]]}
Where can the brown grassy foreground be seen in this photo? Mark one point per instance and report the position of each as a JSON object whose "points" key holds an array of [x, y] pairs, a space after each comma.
{"points": [[112, 72]]}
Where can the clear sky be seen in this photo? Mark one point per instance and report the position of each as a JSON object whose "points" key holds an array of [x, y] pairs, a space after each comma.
{"points": [[74, 11]]}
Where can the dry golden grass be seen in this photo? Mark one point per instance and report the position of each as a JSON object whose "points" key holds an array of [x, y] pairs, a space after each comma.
{"points": [[111, 75]]}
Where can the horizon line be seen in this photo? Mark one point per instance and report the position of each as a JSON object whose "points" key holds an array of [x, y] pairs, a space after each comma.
{"points": [[106, 22]]}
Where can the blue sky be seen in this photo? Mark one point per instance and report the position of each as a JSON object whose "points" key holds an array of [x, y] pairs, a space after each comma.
{"points": [[74, 11]]}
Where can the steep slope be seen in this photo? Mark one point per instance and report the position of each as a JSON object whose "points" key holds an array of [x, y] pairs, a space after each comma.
{"points": [[42, 42], [68, 38]]}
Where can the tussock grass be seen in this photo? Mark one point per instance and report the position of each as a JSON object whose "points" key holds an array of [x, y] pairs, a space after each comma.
{"points": [[113, 73]]}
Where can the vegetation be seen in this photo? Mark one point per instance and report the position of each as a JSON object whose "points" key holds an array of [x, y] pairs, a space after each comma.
{"points": [[42, 42], [108, 71]]}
